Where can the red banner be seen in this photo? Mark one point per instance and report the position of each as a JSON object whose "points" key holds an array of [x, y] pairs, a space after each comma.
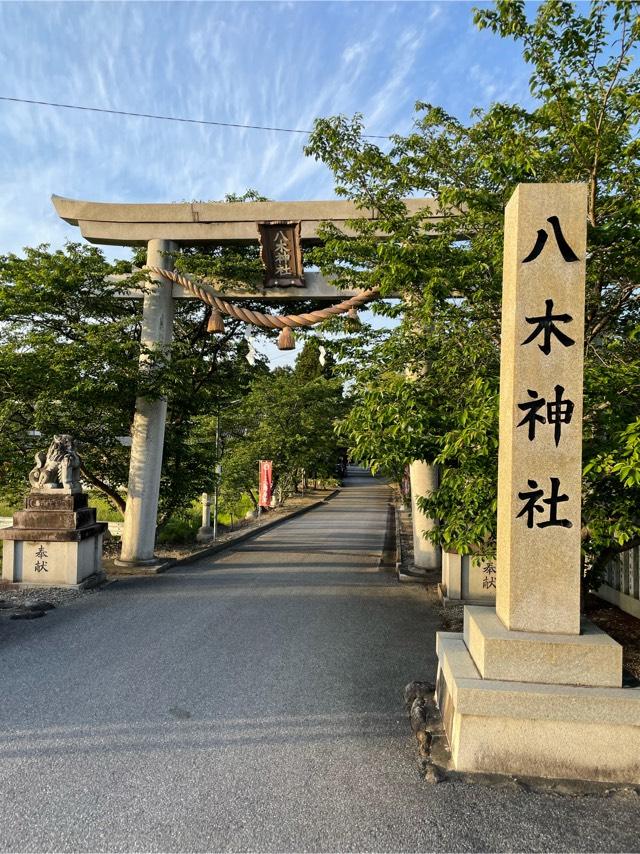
{"points": [[266, 483]]}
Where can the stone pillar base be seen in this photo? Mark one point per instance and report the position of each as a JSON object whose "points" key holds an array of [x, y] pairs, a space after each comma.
{"points": [[536, 729], [55, 541], [132, 564], [205, 534], [52, 563], [87, 583], [591, 658]]}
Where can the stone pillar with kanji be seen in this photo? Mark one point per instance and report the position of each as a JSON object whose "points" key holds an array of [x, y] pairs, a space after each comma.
{"points": [[529, 687], [540, 456]]}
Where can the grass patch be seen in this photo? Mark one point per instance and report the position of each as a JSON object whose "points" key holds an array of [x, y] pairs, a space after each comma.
{"points": [[181, 529], [228, 515], [106, 511]]}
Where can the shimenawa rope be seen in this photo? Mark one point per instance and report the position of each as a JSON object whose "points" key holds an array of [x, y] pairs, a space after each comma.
{"points": [[257, 318]]}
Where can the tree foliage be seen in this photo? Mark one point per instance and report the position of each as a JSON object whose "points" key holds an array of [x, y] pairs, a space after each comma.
{"points": [[69, 350], [430, 389], [288, 416], [69, 347]]}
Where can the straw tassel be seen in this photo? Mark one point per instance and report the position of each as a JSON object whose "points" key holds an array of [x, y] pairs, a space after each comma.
{"points": [[216, 323], [354, 319], [286, 340]]}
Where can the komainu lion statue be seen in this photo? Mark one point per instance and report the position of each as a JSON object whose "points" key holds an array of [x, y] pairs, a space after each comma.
{"points": [[60, 467]]}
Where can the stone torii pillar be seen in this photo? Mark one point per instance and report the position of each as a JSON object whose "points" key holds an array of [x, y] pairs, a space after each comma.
{"points": [[147, 434], [424, 480]]}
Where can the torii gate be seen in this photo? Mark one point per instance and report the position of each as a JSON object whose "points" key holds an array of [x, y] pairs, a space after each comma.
{"points": [[162, 228]]}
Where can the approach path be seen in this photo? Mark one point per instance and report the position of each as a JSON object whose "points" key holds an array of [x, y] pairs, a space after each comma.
{"points": [[253, 702]]}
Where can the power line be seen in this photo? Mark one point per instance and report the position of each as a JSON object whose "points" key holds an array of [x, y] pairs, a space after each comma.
{"points": [[169, 118]]}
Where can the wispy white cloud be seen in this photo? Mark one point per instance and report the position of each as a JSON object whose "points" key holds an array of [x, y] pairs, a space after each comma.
{"points": [[499, 87]]}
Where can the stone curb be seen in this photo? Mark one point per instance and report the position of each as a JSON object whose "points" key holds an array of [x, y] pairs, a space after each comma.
{"points": [[388, 556], [405, 576], [414, 578], [239, 537]]}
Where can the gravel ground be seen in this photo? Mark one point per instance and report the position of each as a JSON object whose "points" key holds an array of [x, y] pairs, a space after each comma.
{"points": [[621, 626], [36, 600], [253, 702]]}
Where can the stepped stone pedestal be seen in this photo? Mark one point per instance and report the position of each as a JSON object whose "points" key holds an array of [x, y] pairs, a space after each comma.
{"points": [[539, 705], [55, 540]]}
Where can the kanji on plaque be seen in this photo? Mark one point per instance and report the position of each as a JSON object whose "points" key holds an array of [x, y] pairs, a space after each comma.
{"points": [[281, 254], [543, 235], [547, 326], [534, 503], [489, 580], [557, 411]]}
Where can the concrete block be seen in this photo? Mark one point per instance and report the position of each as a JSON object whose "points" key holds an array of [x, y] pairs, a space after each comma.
{"points": [[620, 600], [452, 574]]}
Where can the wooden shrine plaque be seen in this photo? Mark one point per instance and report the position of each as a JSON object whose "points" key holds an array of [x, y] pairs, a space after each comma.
{"points": [[281, 254]]}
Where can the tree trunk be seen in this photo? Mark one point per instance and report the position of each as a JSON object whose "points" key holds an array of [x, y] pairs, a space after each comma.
{"points": [[112, 494]]}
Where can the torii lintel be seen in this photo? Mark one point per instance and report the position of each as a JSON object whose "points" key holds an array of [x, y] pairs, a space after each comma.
{"points": [[211, 222]]}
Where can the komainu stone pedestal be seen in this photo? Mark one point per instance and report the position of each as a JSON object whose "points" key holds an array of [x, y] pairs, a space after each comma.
{"points": [[546, 706], [54, 541]]}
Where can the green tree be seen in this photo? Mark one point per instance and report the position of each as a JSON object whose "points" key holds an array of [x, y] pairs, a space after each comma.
{"points": [[308, 365], [430, 390], [69, 347], [289, 417]]}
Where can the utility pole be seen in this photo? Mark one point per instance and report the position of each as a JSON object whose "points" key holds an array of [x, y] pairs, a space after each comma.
{"points": [[259, 505]]}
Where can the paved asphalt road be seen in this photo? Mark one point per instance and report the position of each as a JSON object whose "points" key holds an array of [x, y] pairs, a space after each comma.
{"points": [[253, 702]]}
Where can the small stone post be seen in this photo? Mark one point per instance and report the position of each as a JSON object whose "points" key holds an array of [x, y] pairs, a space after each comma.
{"points": [[206, 510], [205, 531], [139, 530]]}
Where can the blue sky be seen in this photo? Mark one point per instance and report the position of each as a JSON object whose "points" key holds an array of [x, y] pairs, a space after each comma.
{"points": [[273, 63]]}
